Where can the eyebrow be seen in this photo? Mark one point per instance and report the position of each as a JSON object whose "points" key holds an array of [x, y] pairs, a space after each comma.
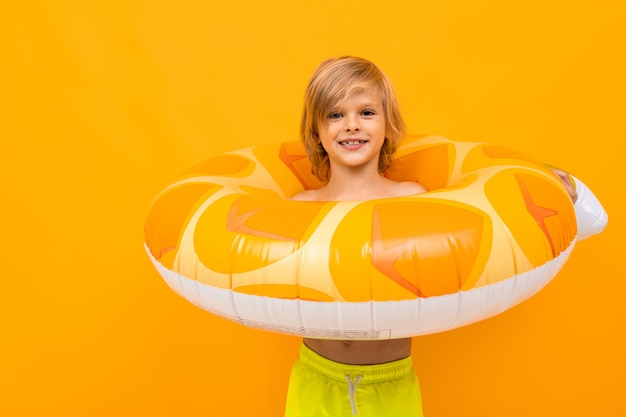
{"points": [[371, 104], [338, 106]]}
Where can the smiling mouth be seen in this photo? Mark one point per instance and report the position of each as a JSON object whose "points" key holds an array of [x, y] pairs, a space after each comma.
{"points": [[352, 142]]}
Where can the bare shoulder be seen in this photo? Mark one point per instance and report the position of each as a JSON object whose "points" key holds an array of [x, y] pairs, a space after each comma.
{"points": [[306, 195], [405, 188]]}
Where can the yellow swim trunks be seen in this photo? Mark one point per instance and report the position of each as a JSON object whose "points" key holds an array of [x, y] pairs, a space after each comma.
{"points": [[319, 387]]}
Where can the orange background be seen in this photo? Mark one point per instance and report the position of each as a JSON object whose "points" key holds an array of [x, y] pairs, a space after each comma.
{"points": [[103, 102]]}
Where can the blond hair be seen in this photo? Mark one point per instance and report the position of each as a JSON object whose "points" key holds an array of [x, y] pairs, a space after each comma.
{"points": [[332, 82]]}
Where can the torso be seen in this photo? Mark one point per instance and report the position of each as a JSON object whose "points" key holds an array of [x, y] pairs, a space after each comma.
{"points": [[361, 352]]}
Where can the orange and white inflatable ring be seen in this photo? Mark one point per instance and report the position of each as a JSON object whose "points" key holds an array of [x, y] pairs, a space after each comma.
{"points": [[493, 229]]}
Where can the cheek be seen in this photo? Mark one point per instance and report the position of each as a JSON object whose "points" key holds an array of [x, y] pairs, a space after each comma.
{"points": [[382, 130], [328, 132]]}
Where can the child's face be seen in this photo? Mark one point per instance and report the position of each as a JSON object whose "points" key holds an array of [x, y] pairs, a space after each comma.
{"points": [[353, 132]]}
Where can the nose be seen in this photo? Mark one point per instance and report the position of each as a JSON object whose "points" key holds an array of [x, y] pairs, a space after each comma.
{"points": [[352, 124]]}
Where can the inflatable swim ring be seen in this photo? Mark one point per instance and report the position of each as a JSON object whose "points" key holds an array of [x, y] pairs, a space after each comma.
{"points": [[493, 229]]}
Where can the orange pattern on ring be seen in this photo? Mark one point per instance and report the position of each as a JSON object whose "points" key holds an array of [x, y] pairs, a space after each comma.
{"points": [[176, 205], [406, 241], [539, 213], [240, 233]]}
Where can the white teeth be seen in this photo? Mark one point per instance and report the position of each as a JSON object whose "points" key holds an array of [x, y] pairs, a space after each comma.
{"points": [[352, 142]]}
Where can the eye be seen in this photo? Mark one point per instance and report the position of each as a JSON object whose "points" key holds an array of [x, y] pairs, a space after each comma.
{"points": [[368, 113], [334, 115]]}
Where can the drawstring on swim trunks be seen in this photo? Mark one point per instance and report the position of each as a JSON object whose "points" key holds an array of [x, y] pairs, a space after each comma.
{"points": [[352, 390]]}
